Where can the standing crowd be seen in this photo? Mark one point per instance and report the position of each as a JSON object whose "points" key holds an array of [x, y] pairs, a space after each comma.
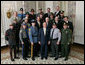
{"points": [[41, 34]]}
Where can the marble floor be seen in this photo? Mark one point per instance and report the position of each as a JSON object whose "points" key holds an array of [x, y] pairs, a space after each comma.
{"points": [[76, 57]]}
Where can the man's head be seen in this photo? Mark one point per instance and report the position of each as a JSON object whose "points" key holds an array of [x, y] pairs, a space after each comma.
{"points": [[40, 10], [47, 19], [11, 26], [41, 15], [48, 10], [56, 18], [21, 10], [65, 25], [15, 13], [38, 18], [32, 11], [66, 18], [27, 14], [24, 26], [57, 8], [51, 15], [62, 13], [26, 19], [33, 22], [44, 25], [54, 25]]}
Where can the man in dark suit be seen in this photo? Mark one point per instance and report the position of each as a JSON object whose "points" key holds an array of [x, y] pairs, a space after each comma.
{"points": [[38, 23], [43, 40], [32, 15], [58, 23], [57, 13], [16, 30], [47, 14], [49, 25], [70, 24], [40, 12]]}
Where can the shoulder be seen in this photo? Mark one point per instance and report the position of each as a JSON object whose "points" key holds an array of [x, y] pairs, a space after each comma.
{"points": [[70, 22], [57, 29]]}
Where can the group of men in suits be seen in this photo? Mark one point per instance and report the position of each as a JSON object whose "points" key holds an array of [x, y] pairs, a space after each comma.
{"points": [[41, 32]]}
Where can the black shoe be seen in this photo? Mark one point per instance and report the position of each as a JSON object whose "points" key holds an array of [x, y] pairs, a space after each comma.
{"points": [[41, 58], [46, 58], [65, 59], [17, 57], [33, 58], [25, 58], [28, 56], [56, 59], [12, 60]]}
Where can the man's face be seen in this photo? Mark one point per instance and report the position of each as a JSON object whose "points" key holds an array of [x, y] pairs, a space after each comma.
{"points": [[51, 16], [27, 15], [21, 12], [65, 26], [26, 20], [32, 12], [54, 26], [57, 8], [41, 15], [40, 11], [38, 18], [33, 24], [44, 25], [24, 26], [62, 14], [65, 19], [11, 27], [15, 13], [47, 19], [14, 22], [56, 18], [48, 10]]}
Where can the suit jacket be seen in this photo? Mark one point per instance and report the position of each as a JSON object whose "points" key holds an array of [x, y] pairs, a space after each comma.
{"points": [[32, 16], [59, 25], [58, 14], [37, 25], [43, 39], [46, 15]]}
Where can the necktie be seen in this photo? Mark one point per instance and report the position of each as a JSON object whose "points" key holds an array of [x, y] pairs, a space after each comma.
{"points": [[52, 34]]}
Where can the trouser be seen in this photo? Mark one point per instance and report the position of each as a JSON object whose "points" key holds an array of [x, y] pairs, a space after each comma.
{"points": [[35, 49], [49, 48], [12, 48], [65, 50], [25, 48], [54, 48], [44, 50], [38, 48], [17, 45]]}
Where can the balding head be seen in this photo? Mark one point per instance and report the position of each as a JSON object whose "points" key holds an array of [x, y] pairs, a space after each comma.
{"points": [[47, 19]]}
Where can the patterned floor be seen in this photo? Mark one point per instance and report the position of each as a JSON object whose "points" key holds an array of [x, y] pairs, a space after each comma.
{"points": [[76, 57]]}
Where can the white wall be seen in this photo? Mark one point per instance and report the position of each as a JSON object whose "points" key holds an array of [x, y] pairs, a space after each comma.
{"points": [[79, 23]]}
